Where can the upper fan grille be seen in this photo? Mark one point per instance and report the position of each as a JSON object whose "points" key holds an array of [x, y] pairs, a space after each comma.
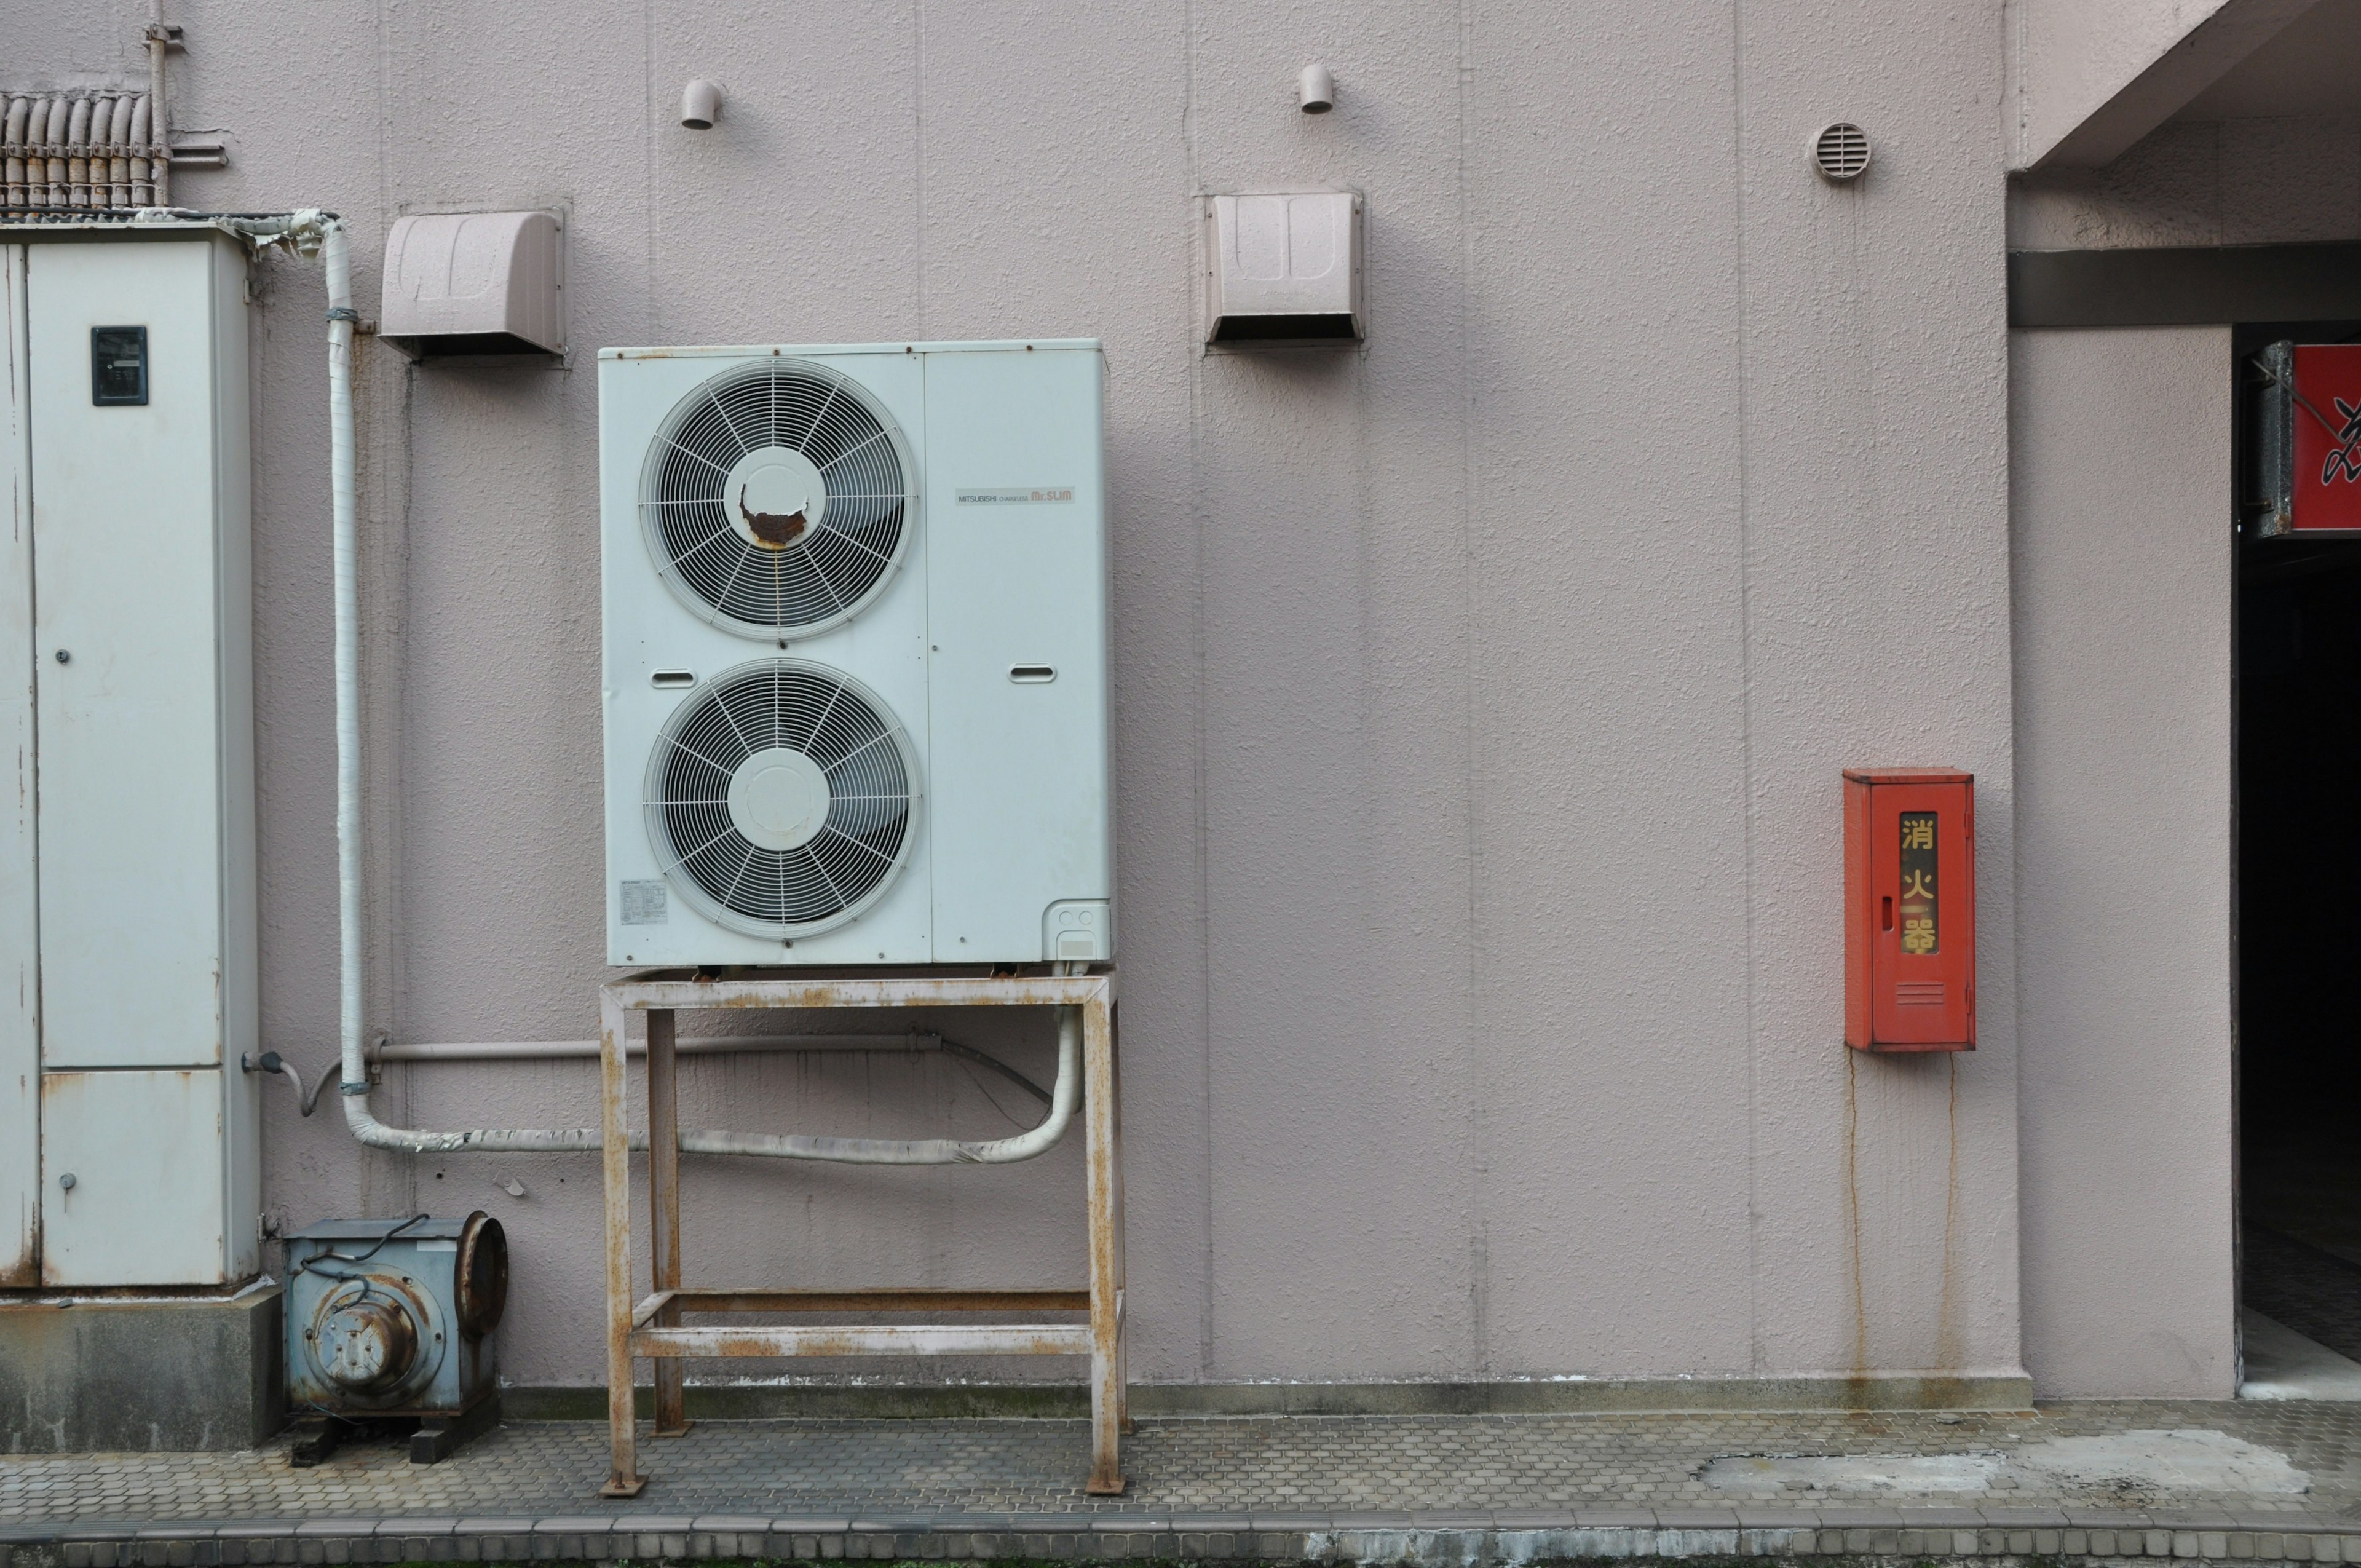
{"points": [[696, 797], [777, 576]]}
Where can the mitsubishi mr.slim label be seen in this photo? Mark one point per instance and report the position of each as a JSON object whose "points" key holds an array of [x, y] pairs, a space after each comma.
{"points": [[1018, 496]]}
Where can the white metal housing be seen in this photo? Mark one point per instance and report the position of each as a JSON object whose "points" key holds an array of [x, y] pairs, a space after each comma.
{"points": [[1283, 268], [912, 530], [126, 858]]}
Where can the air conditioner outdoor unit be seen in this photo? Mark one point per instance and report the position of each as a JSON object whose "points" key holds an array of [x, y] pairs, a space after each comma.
{"points": [[856, 654]]}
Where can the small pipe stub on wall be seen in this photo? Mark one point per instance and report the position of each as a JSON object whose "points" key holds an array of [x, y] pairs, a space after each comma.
{"points": [[1317, 90], [700, 105]]}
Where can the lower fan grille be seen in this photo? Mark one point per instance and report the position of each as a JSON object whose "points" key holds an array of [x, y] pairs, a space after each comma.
{"points": [[782, 797]]}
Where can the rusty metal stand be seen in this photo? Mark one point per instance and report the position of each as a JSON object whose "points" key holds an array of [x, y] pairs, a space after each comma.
{"points": [[652, 1327]]}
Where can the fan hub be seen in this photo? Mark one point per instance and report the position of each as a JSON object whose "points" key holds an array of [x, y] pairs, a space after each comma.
{"points": [[774, 496], [779, 799]]}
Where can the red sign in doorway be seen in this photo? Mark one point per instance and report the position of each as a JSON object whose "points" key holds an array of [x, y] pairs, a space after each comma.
{"points": [[2327, 436], [2310, 460]]}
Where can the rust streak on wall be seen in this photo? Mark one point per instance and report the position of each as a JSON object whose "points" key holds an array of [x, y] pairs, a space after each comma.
{"points": [[1852, 1213], [1947, 1327]]}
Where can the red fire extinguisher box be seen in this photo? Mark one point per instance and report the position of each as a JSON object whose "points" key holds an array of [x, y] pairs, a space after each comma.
{"points": [[1910, 910]]}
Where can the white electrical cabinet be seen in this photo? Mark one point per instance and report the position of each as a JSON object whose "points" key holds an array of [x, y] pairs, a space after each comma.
{"points": [[127, 1131]]}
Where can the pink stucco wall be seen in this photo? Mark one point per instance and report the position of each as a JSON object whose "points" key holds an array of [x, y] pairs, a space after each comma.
{"points": [[2121, 463], [1481, 698]]}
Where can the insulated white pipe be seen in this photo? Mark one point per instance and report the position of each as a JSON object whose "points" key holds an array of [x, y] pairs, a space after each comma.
{"points": [[687, 1045], [160, 160], [345, 505], [910, 1041], [12, 149], [118, 154], [919, 1151], [143, 194], [1063, 1096], [74, 150], [61, 120], [78, 153]]}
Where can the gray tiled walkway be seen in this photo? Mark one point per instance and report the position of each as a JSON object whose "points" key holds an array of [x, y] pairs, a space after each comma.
{"points": [[2164, 1478]]}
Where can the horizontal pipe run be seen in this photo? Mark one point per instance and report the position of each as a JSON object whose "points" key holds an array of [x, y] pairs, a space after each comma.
{"points": [[915, 1040], [1063, 1097], [706, 1044]]}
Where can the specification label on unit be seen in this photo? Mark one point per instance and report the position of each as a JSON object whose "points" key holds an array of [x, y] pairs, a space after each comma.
{"points": [[1015, 497], [643, 902]]}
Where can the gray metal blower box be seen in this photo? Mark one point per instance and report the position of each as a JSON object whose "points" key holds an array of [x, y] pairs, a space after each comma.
{"points": [[395, 1317]]}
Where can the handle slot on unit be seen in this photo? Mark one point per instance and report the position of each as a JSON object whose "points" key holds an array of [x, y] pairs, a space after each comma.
{"points": [[672, 680], [1032, 674]]}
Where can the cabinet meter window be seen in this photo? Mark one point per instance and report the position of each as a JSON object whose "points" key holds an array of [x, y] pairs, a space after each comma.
{"points": [[1918, 932], [119, 366]]}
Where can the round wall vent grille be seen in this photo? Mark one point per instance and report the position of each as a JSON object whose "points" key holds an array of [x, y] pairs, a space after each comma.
{"points": [[1840, 151], [776, 499], [782, 798]]}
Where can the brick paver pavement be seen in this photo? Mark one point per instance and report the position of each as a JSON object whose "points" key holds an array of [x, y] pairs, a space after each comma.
{"points": [[1981, 1483]]}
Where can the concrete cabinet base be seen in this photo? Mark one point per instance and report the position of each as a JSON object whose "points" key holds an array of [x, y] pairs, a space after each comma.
{"points": [[141, 1376]]}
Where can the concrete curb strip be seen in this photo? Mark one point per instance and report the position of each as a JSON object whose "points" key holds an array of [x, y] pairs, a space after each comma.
{"points": [[1504, 1538]]}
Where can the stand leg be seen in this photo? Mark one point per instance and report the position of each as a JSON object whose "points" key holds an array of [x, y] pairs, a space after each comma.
{"points": [[1122, 1284], [664, 1200], [1107, 1255], [624, 1479]]}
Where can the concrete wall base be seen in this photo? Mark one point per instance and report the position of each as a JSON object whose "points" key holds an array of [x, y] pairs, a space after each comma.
{"points": [[1879, 1391], [149, 1375]]}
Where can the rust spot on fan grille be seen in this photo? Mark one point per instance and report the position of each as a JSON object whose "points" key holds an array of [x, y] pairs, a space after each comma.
{"points": [[771, 531]]}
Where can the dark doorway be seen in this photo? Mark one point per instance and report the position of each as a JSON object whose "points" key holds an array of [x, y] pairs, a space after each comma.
{"points": [[2299, 965]]}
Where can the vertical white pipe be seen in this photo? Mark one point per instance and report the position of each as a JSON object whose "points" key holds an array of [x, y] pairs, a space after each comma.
{"points": [[119, 156], [142, 194], [60, 116], [160, 161], [14, 169], [343, 487], [78, 154]]}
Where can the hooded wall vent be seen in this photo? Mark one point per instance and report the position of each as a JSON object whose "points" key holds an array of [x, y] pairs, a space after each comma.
{"points": [[1283, 268], [474, 283]]}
